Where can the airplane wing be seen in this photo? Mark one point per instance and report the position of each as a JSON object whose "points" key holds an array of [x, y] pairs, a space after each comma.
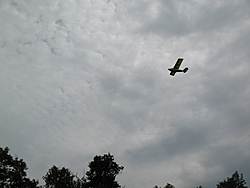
{"points": [[178, 63], [172, 73]]}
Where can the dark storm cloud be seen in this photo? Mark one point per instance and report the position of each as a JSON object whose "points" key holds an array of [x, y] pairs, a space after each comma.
{"points": [[179, 143]]}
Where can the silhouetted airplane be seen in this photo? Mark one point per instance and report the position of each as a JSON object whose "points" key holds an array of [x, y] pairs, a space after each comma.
{"points": [[176, 67]]}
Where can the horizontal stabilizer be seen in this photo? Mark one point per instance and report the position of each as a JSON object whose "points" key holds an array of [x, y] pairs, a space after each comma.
{"points": [[185, 70]]}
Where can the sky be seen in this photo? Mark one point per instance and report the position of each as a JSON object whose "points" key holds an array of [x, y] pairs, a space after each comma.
{"points": [[80, 78]]}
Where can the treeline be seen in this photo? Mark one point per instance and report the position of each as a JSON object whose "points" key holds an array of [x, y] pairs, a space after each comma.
{"points": [[236, 181], [102, 173]]}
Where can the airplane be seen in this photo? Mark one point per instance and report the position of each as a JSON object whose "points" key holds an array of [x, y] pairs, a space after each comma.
{"points": [[176, 67]]}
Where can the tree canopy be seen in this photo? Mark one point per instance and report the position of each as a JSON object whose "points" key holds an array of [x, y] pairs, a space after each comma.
{"points": [[57, 178], [13, 172], [236, 181], [103, 171], [101, 174], [166, 186]]}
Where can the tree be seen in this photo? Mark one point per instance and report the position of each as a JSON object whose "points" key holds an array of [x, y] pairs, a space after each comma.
{"points": [[58, 178], [80, 183], [103, 171], [236, 181], [12, 172], [167, 186]]}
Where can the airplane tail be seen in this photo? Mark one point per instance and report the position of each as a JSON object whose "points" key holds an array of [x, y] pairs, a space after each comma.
{"points": [[185, 70]]}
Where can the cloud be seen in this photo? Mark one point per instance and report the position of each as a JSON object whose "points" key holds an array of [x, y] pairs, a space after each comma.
{"points": [[179, 143], [80, 79], [184, 18]]}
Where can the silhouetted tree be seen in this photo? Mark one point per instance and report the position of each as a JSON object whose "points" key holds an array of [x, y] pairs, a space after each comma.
{"points": [[200, 187], [80, 183], [58, 178], [12, 172], [166, 186], [103, 171], [169, 186], [236, 181]]}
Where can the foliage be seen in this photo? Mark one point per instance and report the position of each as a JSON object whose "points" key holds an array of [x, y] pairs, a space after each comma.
{"points": [[12, 172], [80, 183], [57, 178], [167, 186], [103, 171], [236, 181]]}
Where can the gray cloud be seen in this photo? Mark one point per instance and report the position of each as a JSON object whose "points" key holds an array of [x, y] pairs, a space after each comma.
{"points": [[179, 143], [80, 79]]}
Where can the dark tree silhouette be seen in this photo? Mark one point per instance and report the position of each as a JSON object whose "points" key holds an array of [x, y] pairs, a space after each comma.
{"points": [[58, 178], [12, 172], [166, 186], [169, 186], [236, 181], [103, 171], [80, 183]]}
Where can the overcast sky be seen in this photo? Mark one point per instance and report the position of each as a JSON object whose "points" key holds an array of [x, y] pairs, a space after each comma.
{"points": [[80, 78]]}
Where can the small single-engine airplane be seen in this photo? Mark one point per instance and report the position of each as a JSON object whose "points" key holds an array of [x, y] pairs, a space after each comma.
{"points": [[176, 67]]}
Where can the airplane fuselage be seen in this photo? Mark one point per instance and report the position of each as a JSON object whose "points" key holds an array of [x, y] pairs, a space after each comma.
{"points": [[175, 70]]}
